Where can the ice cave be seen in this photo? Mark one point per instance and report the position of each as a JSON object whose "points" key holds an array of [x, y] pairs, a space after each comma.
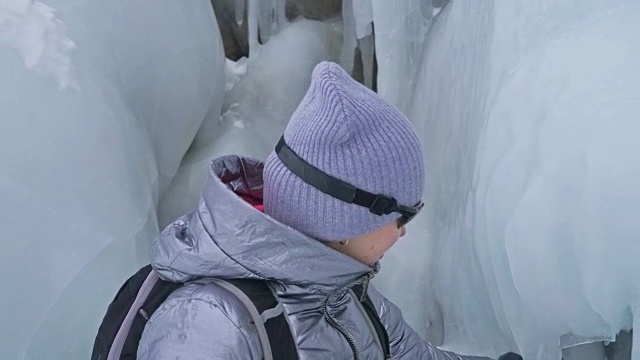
{"points": [[111, 111]]}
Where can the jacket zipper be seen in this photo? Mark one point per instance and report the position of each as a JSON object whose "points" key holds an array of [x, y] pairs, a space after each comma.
{"points": [[365, 286], [341, 330]]}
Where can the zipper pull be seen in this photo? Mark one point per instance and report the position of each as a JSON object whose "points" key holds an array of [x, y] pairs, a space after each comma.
{"points": [[365, 287], [144, 314]]}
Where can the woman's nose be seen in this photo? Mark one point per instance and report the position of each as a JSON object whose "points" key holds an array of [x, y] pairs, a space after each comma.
{"points": [[403, 231]]}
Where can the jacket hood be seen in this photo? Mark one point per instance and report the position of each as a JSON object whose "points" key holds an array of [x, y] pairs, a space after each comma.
{"points": [[226, 237]]}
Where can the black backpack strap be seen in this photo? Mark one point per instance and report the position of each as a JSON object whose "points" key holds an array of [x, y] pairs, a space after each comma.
{"points": [[116, 314], [375, 323], [158, 294], [267, 313], [143, 293], [121, 329]]}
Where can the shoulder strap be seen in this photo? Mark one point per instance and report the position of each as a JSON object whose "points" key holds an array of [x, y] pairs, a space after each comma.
{"points": [[118, 343], [156, 296], [149, 295], [267, 314], [373, 318]]}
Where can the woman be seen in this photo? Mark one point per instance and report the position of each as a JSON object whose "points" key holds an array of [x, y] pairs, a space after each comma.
{"points": [[317, 237]]}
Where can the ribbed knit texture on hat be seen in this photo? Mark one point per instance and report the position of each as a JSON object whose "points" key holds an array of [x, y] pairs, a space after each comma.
{"points": [[351, 133]]}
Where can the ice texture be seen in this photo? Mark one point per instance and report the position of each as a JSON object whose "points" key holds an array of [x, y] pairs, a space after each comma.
{"points": [[401, 28], [83, 169], [349, 38], [266, 18], [357, 34], [263, 91], [529, 113]]}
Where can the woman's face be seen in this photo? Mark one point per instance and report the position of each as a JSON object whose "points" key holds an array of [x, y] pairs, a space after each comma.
{"points": [[369, 248]]}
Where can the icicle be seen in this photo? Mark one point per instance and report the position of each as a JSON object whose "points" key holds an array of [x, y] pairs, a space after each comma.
{"points": [[363, 17], [358, 31], [240, 11], [281, 15], [265, 20], [252, 16], [366, 46], [349, 40]]}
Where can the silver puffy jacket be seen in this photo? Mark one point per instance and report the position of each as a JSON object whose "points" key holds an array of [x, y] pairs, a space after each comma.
{"points": [[225, 237]]}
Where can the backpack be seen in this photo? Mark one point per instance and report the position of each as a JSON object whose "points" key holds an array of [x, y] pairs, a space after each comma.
{"points": [[141, 295]]}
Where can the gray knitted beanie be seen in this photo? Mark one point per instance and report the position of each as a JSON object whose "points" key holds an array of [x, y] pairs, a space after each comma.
{"points": [[351, 133]]}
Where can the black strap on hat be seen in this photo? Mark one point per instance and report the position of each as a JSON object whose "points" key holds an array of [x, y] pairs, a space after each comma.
{"points": [[378, 204]]}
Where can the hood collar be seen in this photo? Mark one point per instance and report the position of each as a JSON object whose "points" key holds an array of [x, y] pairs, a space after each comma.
{"points": [[225, 237]]}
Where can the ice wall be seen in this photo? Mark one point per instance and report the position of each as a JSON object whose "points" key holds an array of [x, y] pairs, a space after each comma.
{"points": [[83, 169], [262, 93], [528, 110], [400, 30], [559, 147]]}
